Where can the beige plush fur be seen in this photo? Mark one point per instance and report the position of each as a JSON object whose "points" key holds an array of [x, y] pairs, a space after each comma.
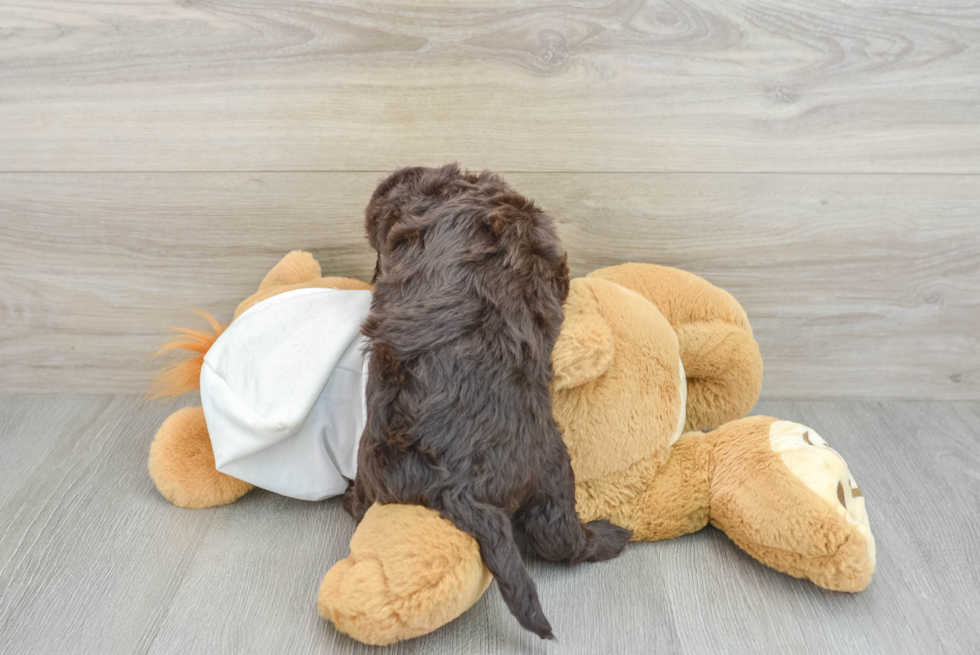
{"points": [[646, 355], [721, 358], [408, 569], [297, 270], [630, 332], [768, 510], [182, 464]]}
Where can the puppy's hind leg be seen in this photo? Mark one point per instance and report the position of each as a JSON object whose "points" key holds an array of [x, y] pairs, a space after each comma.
{"points": [[354, 501], [552, 525]]}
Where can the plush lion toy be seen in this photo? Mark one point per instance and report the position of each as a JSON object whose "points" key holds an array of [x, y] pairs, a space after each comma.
{"points": [[647, 357]]}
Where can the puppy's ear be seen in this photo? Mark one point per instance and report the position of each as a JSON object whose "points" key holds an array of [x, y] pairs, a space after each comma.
{"points": [[385, 207], [585, 346], [562, 280]]}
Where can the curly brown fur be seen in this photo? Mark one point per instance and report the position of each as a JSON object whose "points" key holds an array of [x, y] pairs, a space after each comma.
{"points": [[470, 283]]}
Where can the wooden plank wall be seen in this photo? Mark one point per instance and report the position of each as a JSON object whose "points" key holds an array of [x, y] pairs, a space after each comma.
{"points": [[821, 160]]}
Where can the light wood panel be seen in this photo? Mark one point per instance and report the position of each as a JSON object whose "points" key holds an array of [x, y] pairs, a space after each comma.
{"points": [[857, 285], [93, 560], [591, 85]]}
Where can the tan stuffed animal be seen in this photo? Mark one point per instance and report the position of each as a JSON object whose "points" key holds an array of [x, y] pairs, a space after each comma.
{"points": [[646, 356]]}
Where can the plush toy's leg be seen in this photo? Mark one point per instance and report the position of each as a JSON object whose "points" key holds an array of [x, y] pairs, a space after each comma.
{"points": [[182, 464], [784, 496], [724, 372], [409, 572], [677, 501]]}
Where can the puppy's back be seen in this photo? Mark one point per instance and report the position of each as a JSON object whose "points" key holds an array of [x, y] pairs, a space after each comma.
{"points": [[469, 288], [470, 283]]}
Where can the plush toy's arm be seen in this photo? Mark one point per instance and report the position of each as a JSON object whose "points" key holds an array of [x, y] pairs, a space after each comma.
{"points": [[585, 346], [409, 572], [182, 464], [720, 355]]}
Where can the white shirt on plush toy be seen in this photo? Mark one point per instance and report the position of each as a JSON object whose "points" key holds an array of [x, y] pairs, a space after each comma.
{"points": [[283, 390]]}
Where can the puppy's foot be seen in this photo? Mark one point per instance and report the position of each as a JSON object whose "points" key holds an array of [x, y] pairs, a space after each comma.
{"points": [[605, 540]]}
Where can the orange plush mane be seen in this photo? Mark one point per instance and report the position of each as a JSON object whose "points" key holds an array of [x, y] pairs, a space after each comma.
{"points": [[180, 377]]}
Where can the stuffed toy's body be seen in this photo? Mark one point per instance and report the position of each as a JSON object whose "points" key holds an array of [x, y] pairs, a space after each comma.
{"points": [[648, 357]]}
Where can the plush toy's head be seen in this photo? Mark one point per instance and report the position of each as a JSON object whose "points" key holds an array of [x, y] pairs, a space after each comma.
{"points": [[297, 270]]}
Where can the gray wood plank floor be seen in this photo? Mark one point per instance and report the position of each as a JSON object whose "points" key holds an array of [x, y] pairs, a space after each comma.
{"points": [[93, 560]]}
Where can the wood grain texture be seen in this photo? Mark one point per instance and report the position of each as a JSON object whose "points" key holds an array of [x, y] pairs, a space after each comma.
{"points": [[93, 560], [818, 159], [89, 558], [864, 286], [590, 85]]}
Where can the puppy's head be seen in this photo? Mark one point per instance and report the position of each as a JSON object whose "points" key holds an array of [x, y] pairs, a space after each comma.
{"points": [[395, 214], [407, 192]]}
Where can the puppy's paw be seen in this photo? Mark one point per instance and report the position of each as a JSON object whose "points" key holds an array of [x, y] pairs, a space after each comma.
{"points": [[606, 540]]}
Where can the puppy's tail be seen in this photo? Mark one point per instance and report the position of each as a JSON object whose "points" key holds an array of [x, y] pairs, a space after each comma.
{"points": [[494, 533], [181, 377]]}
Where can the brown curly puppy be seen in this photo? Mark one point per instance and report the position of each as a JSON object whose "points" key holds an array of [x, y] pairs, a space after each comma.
{"points": [[470, 282]]}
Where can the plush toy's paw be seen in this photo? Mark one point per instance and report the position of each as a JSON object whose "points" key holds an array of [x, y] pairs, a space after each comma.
{"points": [[409, 572], [182, 464], [788, 499]]}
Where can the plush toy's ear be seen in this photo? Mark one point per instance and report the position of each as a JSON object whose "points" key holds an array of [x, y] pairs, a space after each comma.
{"points": [[295, 268], [584, 349]]}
